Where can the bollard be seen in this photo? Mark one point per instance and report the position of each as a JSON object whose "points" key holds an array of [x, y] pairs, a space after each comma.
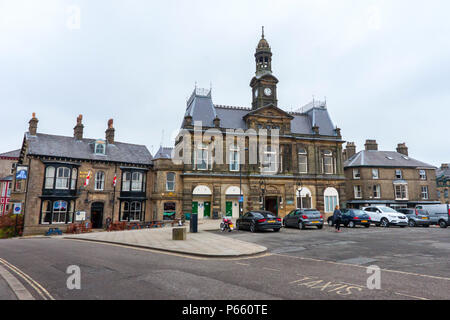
{"points": [[193, 223], [179, 234]]}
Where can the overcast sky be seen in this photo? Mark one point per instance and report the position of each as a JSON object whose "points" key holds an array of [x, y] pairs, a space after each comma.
{"points": [[384, 66]]}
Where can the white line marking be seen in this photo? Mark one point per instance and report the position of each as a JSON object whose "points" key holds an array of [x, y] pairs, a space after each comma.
{"points": [[363, 267], [19, 290]]}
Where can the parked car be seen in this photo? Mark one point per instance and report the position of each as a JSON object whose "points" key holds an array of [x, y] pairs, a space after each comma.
{"points": [[386, 216], [416, 217], [439, 214], [302, 218], [259, 220], [352, 218]]}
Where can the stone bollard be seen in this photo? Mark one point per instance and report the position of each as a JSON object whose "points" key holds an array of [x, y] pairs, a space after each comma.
{"points": [[179, 234]]}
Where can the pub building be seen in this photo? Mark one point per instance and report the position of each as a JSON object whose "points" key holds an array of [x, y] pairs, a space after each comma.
{"points": [[76, 179]]}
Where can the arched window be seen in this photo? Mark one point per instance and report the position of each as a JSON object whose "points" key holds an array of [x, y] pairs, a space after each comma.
{"points": [[99, 180], [131, 211], [170, 181], [59, 211], [62, 178], [302, 160], [99, 147], [73, 183], [304, 199], [136, 184], [49, 177], [234, 158], [135, 211], [126, 181], [331, 197]]}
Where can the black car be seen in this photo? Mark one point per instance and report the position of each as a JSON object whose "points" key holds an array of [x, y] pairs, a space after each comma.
{"points": [[352, 218], [302, 218], [258, 220]]}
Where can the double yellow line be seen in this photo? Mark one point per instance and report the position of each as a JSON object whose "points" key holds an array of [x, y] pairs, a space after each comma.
{"points": [[34, 284]]}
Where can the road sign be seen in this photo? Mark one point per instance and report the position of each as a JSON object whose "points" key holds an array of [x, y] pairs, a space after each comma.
{"points": [[241, 199], [17, 208]]}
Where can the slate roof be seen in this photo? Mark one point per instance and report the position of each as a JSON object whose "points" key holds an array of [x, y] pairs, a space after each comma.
{"points": [[163, 153], [11, 154], [375, 158], [201, 108], [443, 172], [69, 147]]}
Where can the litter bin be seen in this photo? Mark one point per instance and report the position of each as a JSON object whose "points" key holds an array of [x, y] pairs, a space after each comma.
{"points": [[215, 214], [193, 224]]}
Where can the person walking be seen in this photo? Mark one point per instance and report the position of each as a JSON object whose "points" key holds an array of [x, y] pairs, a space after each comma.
{"points": [[337, 214]]}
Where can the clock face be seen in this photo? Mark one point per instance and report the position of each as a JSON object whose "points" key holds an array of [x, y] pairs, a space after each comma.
{"points": [[267, 91]]}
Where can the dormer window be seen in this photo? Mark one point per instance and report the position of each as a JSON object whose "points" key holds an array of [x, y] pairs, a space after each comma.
{"points": [[100, 147]]}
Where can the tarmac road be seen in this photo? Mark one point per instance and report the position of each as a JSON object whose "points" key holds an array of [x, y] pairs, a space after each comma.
{"points": [[309, 264]]}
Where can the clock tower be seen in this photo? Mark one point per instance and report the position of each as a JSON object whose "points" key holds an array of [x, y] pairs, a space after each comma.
{"points": [[264, 83]]}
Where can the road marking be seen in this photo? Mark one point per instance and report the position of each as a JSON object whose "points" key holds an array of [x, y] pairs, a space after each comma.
{"points": [[271, 269], [409, 296], [19, 290], [363, 267], [243, 264], [34, 284]]}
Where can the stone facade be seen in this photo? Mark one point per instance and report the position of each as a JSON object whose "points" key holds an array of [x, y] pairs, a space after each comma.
{"points": [[443, 183], [374, 176], [8, 161], [55, 189]]}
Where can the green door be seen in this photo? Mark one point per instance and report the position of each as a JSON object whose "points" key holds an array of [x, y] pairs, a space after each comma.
{"points": [[229, 208], [207, 210], [194, 207]]}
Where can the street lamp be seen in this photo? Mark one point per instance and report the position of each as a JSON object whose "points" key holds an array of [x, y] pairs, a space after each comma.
{"points": [[241, 196], [298, 187]]}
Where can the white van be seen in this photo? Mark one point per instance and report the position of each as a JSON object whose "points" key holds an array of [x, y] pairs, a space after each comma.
{"points": [[438, 213]]}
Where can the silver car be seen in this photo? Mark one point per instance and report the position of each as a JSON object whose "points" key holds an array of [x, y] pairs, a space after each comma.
{"points": [[416, 217]]}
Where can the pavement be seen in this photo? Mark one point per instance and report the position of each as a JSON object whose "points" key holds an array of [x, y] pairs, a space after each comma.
{"points": [[202, 243]]}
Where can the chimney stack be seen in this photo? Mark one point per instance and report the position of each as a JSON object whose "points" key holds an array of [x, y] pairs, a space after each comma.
{"points": [[110, 132], [350, 150], [78, 129], [32, 128], [444, 166], [216, 122], [371, 145], [402, 148]]}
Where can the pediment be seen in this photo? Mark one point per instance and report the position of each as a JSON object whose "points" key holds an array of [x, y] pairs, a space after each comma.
{"points": [[269, 111]]}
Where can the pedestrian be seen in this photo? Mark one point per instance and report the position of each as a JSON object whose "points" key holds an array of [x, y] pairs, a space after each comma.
{"points": [[337, 214], [108, 223]]}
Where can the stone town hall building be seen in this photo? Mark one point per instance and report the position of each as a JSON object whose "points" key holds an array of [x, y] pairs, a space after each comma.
{"points": [[302, 167], [308, 170]]}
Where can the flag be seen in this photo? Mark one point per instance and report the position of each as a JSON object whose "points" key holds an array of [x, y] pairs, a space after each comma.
{"points": [[114, 180], [86, 182]]}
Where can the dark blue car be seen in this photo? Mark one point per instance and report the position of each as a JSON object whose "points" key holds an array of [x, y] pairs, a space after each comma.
{"points": [[352, 218]]}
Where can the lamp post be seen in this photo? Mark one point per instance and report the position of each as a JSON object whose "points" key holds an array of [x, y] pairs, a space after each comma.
{"points": [[241, 196], [262, 186]]}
